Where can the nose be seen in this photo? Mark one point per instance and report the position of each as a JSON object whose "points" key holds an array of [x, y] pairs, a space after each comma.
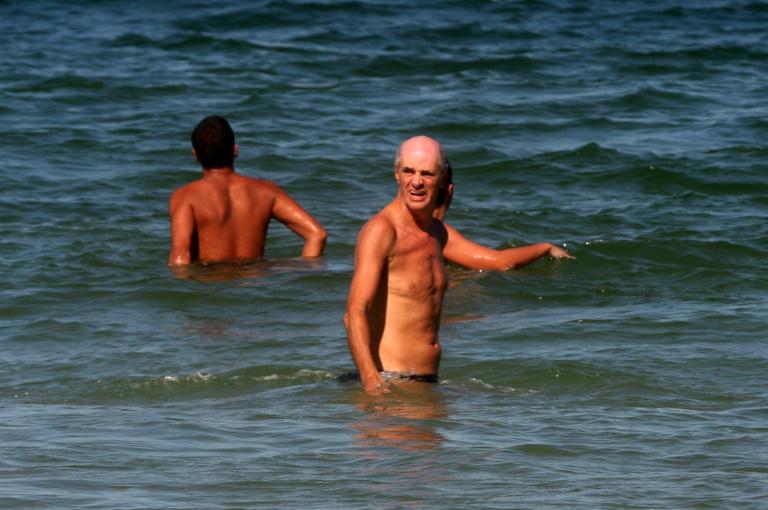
{"points": [[418, 180]]}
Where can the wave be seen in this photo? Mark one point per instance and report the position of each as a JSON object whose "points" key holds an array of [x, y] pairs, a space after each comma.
{"points": [[594, 165], [532, 377], [719, 53], [66, 81], [641, 373], [168, 387], [391, 66], [653, 98]]}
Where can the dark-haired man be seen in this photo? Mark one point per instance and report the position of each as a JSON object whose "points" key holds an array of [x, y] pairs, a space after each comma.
{"points": [[396, 296], [223, 216]]}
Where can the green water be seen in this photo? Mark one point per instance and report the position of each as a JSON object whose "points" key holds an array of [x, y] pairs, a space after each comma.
{"points": [[631, 377]]}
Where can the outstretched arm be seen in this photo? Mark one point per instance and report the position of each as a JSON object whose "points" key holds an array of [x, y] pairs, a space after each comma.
{"points": [[288, 211], [371, 255], [464, 252], [182, 229]]}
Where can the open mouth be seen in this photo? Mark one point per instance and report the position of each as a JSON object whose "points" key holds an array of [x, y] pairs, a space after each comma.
{"points": [[418, 195]]}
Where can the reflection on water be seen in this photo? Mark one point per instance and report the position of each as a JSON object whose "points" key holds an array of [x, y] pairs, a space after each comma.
{"points": [[213, 272], [220, 271], [403, 418]]}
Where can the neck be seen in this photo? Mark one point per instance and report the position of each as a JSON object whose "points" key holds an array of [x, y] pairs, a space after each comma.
{"points": [[421, 218], [218, 170]]}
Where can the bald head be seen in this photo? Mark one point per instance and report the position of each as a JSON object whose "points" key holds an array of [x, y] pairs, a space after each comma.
{"points": [[427, 153], [422, 147]]}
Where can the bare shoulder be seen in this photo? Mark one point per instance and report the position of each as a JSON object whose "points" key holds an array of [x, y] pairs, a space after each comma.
{"points": [[378, 232], [264, 187], [257, 182], [184, 193], [197, 186], [379, 225]]}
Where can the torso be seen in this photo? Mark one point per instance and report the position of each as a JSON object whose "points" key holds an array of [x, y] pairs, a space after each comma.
{"points": [[411, 298], [232, 213]]}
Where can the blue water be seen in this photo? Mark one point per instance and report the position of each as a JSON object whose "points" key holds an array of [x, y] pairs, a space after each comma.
{"points": [[631, 377]]}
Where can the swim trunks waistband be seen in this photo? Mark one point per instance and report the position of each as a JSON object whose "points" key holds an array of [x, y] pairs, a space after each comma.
{"points": [[405, 376], [393, 376]]}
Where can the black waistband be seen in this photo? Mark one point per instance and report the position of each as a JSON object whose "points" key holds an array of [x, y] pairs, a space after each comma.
{"points": [[393, 376]]}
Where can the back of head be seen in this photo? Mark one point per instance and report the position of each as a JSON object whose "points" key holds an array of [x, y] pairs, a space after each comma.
{"points": [[214, 142]]}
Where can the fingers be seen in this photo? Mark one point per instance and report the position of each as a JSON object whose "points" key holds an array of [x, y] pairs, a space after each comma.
{"points": [[377, 389], [560, 253]]}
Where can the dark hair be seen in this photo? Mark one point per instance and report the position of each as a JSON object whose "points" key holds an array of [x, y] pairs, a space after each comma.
{"points": [[442, 193], [214, 142]]}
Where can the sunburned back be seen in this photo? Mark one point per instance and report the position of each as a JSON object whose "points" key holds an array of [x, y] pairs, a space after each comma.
{"points": [[415, 288], [232, 213]]}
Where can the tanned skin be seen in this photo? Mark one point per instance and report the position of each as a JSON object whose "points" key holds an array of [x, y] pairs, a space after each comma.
{"points": [[464, 252], [396, 296], [224, 216]]}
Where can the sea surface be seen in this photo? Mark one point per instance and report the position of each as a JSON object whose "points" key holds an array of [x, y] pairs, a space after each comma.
{"points": [[633, 133]]}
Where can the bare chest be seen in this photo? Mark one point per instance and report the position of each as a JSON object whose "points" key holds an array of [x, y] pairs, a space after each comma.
{"points": [[417, 267]]}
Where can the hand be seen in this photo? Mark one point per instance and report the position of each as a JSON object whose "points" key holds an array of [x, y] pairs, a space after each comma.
{"points": [[559, 253], [376, 389], [374, 385]]}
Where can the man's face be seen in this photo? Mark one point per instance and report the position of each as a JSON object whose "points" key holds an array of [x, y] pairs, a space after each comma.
{"points": [[418, 177]]}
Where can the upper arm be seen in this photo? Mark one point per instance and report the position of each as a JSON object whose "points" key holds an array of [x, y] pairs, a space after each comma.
{"points": [[460, 250], [182, 228], [372, 250], [289, 212]]}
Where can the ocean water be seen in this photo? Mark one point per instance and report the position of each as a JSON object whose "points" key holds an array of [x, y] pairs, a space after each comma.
{"points": [[631, 377]]}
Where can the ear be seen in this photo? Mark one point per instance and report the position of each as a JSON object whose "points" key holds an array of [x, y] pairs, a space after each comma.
{"points": [[438, 212], [448, 196], [444, 197], [236, 150], [397, 175], [194, 153]]}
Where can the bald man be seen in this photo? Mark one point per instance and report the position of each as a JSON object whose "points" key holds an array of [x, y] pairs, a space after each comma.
{"points": [[396, 296], [223, 217]]}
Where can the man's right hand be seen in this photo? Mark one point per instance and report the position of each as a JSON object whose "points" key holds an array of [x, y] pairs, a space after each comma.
{"points": [[374, 384], [559, 253]]}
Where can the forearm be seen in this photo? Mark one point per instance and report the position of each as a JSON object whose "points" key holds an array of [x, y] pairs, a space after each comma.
{"points": [[178, 260], [314, 243], [359, 338], [462, 251], [513, 258], [289, 212], [180, 254], [182, 231]]}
